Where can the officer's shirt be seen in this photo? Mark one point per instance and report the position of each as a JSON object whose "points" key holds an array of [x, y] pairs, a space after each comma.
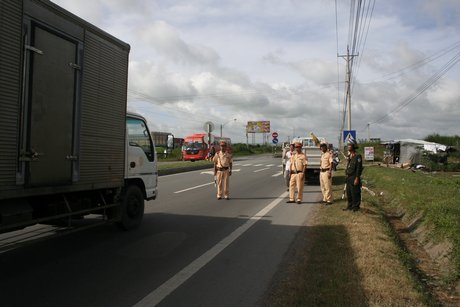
{"points": [[326, 160], [355, 166], [298, 162], [288, 156], [223, 159]]}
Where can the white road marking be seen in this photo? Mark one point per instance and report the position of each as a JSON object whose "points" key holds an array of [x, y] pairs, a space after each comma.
{"points": [[246, 164], [262, 169], [237, 164], [196, 187], [212, 172], [278, 174], [157, 295], [208, 172], [258, 164], [279, 166], [269, 165]]}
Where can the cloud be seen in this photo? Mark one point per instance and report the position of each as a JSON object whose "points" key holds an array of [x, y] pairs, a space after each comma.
{"points": [[167, 42], [277, 60]]}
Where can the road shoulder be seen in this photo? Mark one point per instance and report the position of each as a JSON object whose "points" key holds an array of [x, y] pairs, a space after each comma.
{"points": [[343, 259]]}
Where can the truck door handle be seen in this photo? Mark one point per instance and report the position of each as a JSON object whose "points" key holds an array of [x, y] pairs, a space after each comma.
{"points": [[30, 156], [33, 49], [72, 158], [132, 164]]}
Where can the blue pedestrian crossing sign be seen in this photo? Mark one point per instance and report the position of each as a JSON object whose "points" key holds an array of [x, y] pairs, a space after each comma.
{"points": [[349, 136]]}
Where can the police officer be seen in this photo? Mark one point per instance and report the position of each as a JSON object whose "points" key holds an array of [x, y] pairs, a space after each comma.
{"points": [[298, 167], [353, 174], [325, 177], [223, 161], [287, 170]]}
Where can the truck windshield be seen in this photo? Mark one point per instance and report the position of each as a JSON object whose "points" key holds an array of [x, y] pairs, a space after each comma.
{"points": [[309, 143], [139, 136]]}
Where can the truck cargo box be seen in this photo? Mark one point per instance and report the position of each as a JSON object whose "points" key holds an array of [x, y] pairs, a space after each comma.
{"points": [[63, 93]]}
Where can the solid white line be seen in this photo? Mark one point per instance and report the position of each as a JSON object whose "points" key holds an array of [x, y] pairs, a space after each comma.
{"points": [[262, 169], [192, 188], [278, 174], [157, 295]]}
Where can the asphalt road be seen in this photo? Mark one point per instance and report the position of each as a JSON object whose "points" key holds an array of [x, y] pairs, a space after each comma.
{"points": [[191, 250]]}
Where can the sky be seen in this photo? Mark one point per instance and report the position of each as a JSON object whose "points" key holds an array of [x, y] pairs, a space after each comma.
{"points": [[234, 61]]}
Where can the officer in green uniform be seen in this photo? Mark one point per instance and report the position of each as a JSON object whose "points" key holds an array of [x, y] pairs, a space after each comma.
{"points": [[353, 174]]}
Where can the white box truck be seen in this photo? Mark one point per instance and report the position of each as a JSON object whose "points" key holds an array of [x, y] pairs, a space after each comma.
{"points": [[68, 147]]}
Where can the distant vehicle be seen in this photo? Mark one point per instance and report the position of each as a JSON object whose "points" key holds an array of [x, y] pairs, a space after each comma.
{"points": [[195, 146], [313, 153], [68, 146], [163, 139]]}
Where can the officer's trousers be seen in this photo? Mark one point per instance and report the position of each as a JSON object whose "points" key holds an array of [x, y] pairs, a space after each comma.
{"points": [[222, 183], [326, 186], [353, 193], [297, 181], [287, 177]]}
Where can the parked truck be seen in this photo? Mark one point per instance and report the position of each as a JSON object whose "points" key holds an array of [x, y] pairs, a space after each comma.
{"points": [[311, 149], [68, 147]]}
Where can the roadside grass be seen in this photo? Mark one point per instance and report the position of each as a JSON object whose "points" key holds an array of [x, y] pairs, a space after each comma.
{"points": [[432, 197], [182, 164], [345, 259]]}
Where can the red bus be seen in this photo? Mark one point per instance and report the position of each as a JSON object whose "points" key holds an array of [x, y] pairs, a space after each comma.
{"points": [[195, 146]]}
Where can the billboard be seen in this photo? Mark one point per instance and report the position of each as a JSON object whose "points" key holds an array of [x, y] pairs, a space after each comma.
{"points": [[258, 127]]}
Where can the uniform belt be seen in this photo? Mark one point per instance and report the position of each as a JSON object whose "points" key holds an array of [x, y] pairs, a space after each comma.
{"points": [[222, 169], [324, 169], [296, 172]]}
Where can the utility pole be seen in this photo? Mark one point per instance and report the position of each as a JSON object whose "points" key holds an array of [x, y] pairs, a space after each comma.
{"points": [[349, 58]]}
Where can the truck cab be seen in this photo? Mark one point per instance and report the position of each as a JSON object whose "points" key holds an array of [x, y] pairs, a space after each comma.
{"points": [[141, 174]]}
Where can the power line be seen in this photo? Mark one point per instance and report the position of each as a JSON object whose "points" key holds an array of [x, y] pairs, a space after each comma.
{"points": [[338, 71], [365, 37], [396, 74], [422, 88]]}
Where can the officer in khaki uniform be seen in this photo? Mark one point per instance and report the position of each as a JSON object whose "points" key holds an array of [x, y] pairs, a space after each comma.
{"points": [[325, 177], [298, 168], [223, 170]]}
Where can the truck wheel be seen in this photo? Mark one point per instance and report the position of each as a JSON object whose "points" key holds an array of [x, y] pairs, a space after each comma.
{"points": [[131, 208]]}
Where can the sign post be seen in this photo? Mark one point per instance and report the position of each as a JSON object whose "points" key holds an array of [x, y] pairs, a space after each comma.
{"points": [[208, 128], [275, 137], [369, 153], [349, 136]]}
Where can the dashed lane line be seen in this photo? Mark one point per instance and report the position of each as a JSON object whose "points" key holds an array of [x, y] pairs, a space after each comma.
{"points": [[207, 172], [262, 169], [277, 174], [212, 172]]}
